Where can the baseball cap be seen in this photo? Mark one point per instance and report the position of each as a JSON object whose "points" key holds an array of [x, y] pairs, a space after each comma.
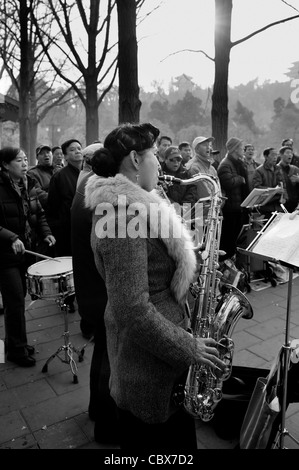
{"points": [[200, 140], [42, 147], [171, 152]]}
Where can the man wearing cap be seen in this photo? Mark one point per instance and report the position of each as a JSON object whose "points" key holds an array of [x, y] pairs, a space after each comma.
{"points": [[202, 162], [172, 165], [42, 172], [233, 179]]}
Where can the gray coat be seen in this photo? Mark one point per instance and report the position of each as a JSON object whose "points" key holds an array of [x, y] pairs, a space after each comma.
{"points": [[147, 280]]}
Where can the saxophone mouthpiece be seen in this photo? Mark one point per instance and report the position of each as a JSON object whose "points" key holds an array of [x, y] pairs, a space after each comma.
{"points": [[169, 178]]}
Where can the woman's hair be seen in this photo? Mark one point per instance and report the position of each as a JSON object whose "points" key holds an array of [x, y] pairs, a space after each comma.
{"points": [[7, 154], [119, 143]]}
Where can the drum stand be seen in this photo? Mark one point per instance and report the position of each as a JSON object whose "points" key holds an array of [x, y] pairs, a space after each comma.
{"points": [[67, 348]]}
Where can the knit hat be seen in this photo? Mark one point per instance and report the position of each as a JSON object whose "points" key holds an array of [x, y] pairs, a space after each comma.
{"points": [[232, 144], [172, 151], [200, 140]]}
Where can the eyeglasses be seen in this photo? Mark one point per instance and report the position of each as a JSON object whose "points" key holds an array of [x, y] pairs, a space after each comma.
{"points": [[175, 159]]}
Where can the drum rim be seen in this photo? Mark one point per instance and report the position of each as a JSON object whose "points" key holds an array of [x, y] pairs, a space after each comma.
{"points": [[57, 274]]}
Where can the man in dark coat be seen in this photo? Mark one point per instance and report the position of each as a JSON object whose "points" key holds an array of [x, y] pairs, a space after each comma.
{"points": [[266, 176], [92, 298], [43, 172], [233, 179], [61, 192]]}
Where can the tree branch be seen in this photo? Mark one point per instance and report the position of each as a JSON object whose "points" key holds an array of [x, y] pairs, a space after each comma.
{"points": [[188, 50], [239, 41]]}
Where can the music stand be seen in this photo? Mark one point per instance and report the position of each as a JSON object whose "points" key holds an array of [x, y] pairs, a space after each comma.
{"points": [[67, 347], [287, 345]]}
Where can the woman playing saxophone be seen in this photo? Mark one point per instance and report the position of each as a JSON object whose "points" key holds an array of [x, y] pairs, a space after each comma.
{"points": [[147, 272]]}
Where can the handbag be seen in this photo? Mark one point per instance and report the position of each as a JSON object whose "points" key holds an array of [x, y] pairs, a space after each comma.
{"points": [[263, 409]]}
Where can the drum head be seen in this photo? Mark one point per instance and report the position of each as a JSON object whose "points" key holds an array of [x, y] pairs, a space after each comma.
{"points": [[51, 267]]}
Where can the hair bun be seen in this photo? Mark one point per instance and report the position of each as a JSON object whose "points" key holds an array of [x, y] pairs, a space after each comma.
{"points": [[103, 163]]}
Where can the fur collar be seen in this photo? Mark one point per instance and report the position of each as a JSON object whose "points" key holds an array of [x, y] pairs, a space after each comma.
{"points": [[178, 240]]}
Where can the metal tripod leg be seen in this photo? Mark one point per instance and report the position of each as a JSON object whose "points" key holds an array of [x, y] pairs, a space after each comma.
{"points": [[279, 442], [67, 348]]}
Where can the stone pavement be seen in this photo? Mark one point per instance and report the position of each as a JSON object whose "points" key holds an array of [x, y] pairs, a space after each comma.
{"points": [[48, 411]]}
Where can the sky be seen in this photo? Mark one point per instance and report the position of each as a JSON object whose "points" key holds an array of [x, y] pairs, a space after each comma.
{"points": [[189, 24]]}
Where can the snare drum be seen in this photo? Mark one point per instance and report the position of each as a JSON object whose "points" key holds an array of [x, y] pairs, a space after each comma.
{"points": [[51, 278]]}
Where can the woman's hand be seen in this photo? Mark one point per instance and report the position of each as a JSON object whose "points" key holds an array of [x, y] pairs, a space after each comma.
{"points": [[50, 240], [18, 247], [207, 354]]}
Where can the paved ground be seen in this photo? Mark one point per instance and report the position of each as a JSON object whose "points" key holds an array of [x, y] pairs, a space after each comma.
{"points": [[48, 411]]}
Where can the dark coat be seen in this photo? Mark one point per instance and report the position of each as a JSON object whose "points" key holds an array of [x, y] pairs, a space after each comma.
{"points": [[292, 189], [89, 286], [13, 221], [181, 194], [266, 176], [42, 175], [233, 179], [61, 193]]}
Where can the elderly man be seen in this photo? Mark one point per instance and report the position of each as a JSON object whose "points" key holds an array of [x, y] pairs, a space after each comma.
{"points": [[233, 179], [43, 172], [250, 164], [290, 176], [268, 175], [202, 162]]}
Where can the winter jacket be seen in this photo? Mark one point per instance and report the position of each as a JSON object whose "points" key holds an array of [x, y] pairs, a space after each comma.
{"points": [[292, 189], [198, 164], [89, 286], [266, 176], [15, 224], [147, 279], [181, 194], [233, 179], [42, 175], [61, 193]]}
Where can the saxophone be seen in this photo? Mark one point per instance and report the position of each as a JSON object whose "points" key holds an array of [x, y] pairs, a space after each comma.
{"points": [[215, 312]]}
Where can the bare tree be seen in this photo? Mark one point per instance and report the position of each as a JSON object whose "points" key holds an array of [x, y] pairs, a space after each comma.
{"points": [[129, 102], [91, 75], [24, 61], [223, 47]]}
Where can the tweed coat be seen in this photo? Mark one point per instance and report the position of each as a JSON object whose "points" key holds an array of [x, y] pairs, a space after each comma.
{"points": [[147, 279]]}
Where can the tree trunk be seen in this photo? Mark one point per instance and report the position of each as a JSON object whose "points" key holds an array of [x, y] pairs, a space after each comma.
{"points": [[92, 117], [24, 92], [223, 12], [129, 103]]}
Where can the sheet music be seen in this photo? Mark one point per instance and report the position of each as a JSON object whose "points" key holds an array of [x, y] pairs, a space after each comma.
{"points": [[280, 241], [259, 197]]}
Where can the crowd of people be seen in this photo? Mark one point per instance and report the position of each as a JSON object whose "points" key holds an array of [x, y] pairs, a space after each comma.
{"points": [[131, 277]]}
